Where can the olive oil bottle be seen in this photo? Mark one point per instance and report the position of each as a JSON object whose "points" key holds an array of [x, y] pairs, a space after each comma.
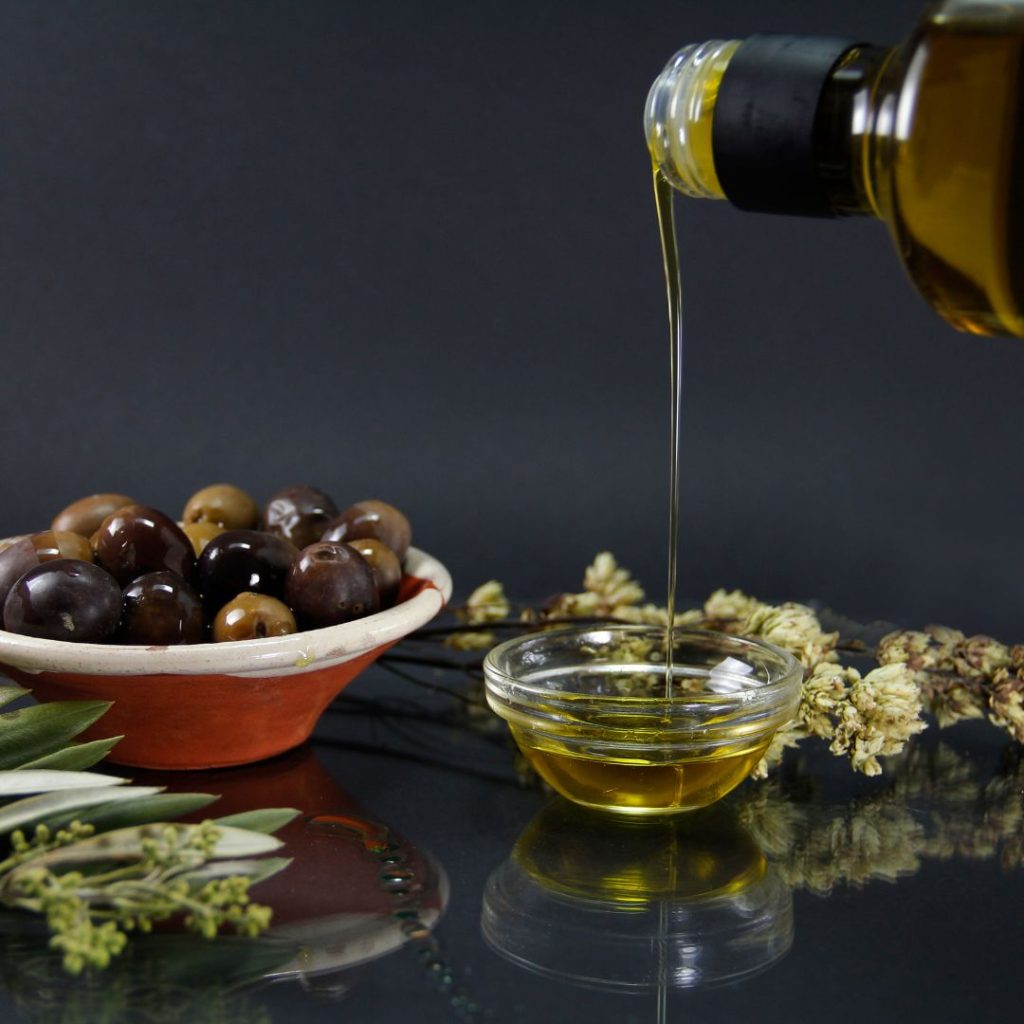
{"points": [[927, 135]]}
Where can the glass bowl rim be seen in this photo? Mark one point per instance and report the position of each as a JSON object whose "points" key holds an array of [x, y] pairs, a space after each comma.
{"points": [[775, 690]]}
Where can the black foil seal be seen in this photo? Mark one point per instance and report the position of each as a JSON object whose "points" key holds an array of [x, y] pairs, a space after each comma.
{"points": [[763, 128]]}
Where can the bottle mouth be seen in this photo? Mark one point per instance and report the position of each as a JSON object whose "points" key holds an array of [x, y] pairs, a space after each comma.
{"points": [[677, 117]]}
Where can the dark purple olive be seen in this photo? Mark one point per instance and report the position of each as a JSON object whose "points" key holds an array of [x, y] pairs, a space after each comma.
{"points": [[65, 599], [137, 539], [329, 584], [85, 515], [243, 560], [385, 566], [299, 514], [28, 552], [161, 608], [375, 519]]}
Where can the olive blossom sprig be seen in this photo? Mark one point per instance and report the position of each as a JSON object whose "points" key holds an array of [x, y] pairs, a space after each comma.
{"points": [[95, 889], [96, 858]]}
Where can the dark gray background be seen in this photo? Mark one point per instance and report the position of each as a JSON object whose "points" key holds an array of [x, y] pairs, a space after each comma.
{"points": [[408, 250]]}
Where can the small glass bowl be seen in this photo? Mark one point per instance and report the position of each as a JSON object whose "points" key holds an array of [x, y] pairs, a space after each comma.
{"points": [[588, 707]]}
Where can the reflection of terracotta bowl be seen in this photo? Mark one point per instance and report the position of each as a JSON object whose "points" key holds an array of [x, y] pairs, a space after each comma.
{"points": [[212, 705]]}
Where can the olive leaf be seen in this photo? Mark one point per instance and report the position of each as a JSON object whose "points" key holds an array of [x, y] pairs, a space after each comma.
{"points": [[76, 757], [27, 734], [47, 780], [267, 819], [35, 809], [143, 810]]}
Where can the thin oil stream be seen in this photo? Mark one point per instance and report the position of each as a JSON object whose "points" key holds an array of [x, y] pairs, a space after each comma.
{"points": [[670, 260]]}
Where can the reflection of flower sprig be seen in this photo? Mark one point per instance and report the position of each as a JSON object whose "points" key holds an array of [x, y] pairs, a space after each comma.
{"points": [[817, 846]]}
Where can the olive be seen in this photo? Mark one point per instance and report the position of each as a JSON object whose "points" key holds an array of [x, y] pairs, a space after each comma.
{"points": [[375, 519], [161, 608], [299, 514], [252, 616], [201, 534], [225, 504], [385, 566], [85, 515], [51, 544], [240, 560], [329, 584], [65, 599], [16, 559], [28, 552], [137, 539]]}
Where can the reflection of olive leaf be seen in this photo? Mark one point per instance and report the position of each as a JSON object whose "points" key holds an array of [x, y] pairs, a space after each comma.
{"points": [[160, 979]]}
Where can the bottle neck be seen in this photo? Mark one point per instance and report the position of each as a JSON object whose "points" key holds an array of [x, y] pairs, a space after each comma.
{"points": [[781, 124]]}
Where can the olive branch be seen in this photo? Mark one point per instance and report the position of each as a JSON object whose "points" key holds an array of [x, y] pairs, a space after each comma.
{"points": [[97, 857]]}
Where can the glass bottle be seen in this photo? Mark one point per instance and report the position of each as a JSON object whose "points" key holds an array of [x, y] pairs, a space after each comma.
{"points": [[927, 135]]}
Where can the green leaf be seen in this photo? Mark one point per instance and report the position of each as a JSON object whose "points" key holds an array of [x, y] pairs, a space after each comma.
{"points": [[44, 780], [255, 870], [126, 844], [35, 808], [141, 811], [11, 693], [76, 757], [29, 733], [266, 819]]}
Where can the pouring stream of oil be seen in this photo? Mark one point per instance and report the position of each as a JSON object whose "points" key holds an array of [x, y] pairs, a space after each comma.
{"points": [[670, 260]]}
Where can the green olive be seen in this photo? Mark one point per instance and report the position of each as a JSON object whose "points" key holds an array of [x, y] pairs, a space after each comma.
{"points": [[252, 616], [385, 566], [202, 533], [225, 504]]}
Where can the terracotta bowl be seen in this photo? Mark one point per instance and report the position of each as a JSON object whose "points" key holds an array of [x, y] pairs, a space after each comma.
{"points": [[214, 705]]}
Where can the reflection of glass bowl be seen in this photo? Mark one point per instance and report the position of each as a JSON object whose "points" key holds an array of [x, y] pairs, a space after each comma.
{"points": [[629, 905], [588, 708]]}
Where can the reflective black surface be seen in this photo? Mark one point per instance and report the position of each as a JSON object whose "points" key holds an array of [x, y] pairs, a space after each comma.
{"points": [[435, 884]]}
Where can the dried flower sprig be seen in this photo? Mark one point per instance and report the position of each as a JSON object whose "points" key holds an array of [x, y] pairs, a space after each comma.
{"points": [[862, 717]]}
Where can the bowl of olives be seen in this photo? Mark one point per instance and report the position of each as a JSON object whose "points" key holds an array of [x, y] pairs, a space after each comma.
{"points": [[219, 638]]}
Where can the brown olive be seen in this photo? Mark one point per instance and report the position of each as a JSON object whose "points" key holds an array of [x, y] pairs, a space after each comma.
{"points": [[329, 584], [17, 559], [299, 514], [385, 566], [201, 534], [161, 608], [225, 504], [26, 553], [252, 616], [375, 519], [85, 515], [51, 544], [137, 539]]}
